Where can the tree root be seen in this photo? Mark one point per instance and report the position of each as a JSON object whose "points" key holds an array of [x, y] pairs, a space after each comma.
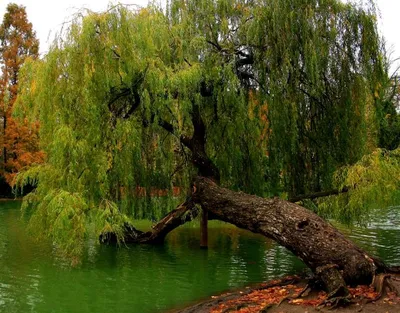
{"points": [[304, 293], [306, 290], [335, 301], [381, 283], [266, 308], [236, 308], [287, 280], [338, 294], [338, 297]]}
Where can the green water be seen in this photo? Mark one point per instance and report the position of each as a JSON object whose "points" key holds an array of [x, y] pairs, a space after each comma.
{"points": [[147, 279]]}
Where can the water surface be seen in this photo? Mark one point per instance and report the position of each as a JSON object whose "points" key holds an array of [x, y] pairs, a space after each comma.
{"points": [[151, 279]]}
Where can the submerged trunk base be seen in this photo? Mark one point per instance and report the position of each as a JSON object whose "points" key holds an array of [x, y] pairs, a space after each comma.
{"points": [[184, 213], [332, 257]]}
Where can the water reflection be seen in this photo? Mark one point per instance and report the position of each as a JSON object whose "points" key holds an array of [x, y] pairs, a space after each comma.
{"points": [[151, 278], [381, 236]]}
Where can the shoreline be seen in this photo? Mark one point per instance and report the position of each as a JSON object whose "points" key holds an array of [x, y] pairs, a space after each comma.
{"points": [[275, 296]]}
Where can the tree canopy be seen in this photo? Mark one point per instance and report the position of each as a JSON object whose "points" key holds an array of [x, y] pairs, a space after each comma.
{"points": [[19, 142], [268, 97]]}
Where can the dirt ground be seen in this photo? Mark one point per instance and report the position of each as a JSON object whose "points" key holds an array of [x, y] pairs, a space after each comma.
{"points": [[279, 296]]}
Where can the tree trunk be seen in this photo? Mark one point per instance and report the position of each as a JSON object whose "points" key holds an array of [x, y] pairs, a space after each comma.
{"points": [[4, 137], [319, 194], [334, 258], [182, 214]]}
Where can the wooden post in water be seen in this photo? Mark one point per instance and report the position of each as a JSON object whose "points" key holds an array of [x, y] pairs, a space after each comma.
{"points": [[204, 229]]}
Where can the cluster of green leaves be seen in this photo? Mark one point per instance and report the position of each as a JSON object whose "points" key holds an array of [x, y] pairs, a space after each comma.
{"points": [[291, 86], [373, 183], [389, 116], [325, 66]]}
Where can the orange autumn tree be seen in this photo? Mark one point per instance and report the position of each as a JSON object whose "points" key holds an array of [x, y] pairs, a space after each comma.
{"points": [[19, 140]]}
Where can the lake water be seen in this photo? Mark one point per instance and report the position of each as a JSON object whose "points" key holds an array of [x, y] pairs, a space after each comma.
{"points": [[151, 279]]}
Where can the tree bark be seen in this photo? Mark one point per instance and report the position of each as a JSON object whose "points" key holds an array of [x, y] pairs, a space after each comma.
{"points": [[328, 253], [184, 213], [319, 194], [334, 259]]}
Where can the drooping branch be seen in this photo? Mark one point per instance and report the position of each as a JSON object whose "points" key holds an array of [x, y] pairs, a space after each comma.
{"points": [[185, 140], [245, 59], [184, 213], [124, 100], [319, 194]]}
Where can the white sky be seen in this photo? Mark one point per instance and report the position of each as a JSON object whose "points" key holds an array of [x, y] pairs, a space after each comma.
{"points": [[47, 17]]}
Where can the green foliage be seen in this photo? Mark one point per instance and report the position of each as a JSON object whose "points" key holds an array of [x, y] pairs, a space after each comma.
{"points": [[61, 217], [110, 220], [373, 182], [389, 118], [389, 131], [283, 89], [323, 64]]}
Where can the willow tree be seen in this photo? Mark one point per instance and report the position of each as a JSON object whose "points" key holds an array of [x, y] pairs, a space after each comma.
{"points": [[257, 96]]}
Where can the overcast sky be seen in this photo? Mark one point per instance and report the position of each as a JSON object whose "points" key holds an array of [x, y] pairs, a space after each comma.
{"points": [[48, 15]]}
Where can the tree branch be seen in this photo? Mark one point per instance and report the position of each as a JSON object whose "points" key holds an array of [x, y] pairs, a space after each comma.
{"points": [[319, 194], [185, 140]]}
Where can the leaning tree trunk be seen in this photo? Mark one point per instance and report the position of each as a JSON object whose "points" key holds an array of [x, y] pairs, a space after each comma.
{"points": [[334, 259], [184, 213], [329, 254]]}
